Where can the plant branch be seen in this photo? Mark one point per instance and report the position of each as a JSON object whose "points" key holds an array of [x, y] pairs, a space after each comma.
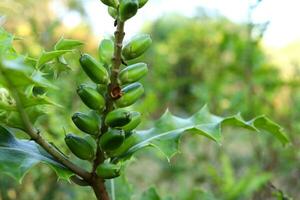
{"points": [[114, 92], [35, 135]]}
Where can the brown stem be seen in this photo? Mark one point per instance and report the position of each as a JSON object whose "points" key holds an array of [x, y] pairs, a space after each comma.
{"points": [[113, 93], [99, 189]]}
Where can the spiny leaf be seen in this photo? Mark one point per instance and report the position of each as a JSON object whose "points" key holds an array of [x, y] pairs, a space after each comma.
{"points": [[166, 133], [49, 56], [40, 80], [16, 71], [18, 156], [67, 44]]}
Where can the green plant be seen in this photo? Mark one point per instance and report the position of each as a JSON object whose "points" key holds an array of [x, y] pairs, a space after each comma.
{"points": [[24, 85]]}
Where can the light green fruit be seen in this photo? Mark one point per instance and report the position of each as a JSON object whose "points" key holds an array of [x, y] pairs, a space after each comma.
{"points": [[127, 9], [88, 123], [91, 141], [108, 170], [118, 118], [91, 98], [134, 122], [80, 147], [130, 94], [95, 71], [112, 3], [112, 139], [113, 12], [133, 73], [106, 51], [136, 46]]}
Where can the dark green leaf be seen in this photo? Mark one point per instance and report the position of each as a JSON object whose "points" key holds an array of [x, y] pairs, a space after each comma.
{"points": [[168, 129], [18, 156]]}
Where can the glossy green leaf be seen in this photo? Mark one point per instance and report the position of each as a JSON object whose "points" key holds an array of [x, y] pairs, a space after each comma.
{"points": [[39, 79], [18, 156], [49, 56], [67, 44], [16, 71], [166, 133]]}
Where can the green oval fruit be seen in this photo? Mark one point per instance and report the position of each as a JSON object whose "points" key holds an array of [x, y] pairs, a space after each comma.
{"points": [[118, 118], [108, 170], [113, 12], [133, 73], [136, 47], [142, 3], [112, 140], [91, 141], [80, 147], [130, 94], [129, 133], [88, 123], [127, 9], [91, 98], [106, 51], [102, 89], [134, 122], [112, 3], [95, 71]]}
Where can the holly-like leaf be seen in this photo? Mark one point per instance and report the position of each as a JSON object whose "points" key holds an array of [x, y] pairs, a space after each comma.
{"points": [[18, 156], [49, 56], [40, 80], [16, 71], [67, 44], [166, 133]]}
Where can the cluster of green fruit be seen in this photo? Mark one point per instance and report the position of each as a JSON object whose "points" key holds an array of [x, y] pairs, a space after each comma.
{"points": [[119, 122]]}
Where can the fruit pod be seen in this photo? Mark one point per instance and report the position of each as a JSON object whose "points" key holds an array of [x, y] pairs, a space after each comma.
{"points": [[95, 71], [80, 147], [127, 9], [91, 98], [136, 46], [130, 94], [108, 170], [112, 3], [102, 89], [133, 73], [129, 133], [91, 141], [106, 51], [88, 123], [112, 140], [142, 3], [113, 12], [134, 122], [118, 118]]}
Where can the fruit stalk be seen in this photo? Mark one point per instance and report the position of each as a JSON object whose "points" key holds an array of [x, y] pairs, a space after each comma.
{"points": [[98, 184]]}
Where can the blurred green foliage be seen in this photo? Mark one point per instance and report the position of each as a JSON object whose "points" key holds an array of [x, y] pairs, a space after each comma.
{"points": [[193, 61]]}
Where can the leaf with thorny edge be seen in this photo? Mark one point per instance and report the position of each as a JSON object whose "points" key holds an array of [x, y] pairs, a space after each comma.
{"points": [[18, 156], [166, 133]]}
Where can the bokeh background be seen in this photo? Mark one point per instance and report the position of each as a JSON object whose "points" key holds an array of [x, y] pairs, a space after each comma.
{"points": [[234, 55]]}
